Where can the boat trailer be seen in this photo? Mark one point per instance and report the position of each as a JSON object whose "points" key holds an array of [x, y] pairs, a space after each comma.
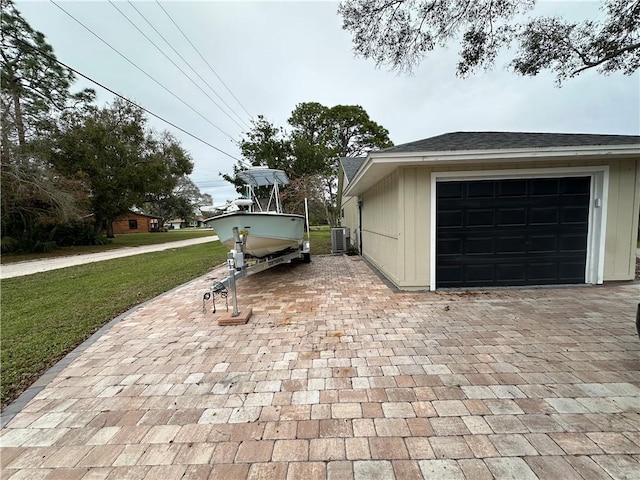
{"points": [[240, 265]]}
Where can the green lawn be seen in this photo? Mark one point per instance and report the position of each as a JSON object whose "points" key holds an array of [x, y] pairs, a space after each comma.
{"points": [[46, 315], [320, 240], [120, 241]]}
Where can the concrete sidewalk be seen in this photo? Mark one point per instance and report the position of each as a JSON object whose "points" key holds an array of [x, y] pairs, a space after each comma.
{"points": [[337, 377], [19, 269]]}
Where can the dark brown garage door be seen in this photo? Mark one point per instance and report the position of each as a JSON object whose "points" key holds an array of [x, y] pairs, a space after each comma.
{"points": [[511, 232]]}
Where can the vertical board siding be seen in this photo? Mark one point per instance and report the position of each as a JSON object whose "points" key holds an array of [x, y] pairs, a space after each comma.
{"points": [[622, 218], [415, 218], [380, 226], [351, 220]]}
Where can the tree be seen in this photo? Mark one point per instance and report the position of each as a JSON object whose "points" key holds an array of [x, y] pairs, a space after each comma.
{"points": [[311, 151], [34, 85], [182, 202], [399, 33], [34, 91], [125, 163]]}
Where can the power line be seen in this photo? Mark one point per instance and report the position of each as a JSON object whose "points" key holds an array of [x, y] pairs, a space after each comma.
{"points": [[189, 65], [203, 59], [54, 59], [141, 70], [174, 63]]}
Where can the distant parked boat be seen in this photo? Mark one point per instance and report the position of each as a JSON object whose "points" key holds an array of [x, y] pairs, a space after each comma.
{"points": [[266, 231]]}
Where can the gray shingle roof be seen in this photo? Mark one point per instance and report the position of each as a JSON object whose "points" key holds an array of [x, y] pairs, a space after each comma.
{"points": [[351, 165], [502, 140]]}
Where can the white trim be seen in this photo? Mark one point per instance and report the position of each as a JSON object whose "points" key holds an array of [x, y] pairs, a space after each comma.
{"points": [[594, 269], [378, 164], [501, 153]]}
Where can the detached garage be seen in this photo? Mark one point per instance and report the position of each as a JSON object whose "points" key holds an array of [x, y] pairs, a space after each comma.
{"points": [[478, 209]]}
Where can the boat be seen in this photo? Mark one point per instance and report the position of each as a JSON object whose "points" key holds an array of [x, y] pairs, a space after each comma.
{"points": [[265, 231]]}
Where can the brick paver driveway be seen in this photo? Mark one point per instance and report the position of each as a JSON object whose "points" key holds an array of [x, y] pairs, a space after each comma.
{"points": [[336, 376]]}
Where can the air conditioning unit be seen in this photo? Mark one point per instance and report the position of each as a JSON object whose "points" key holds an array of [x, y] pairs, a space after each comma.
{"points": [[339, 239]]}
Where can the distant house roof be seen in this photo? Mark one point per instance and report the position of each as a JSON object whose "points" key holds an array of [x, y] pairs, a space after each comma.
{"points": [[351, 165], [133, 212], [509, 140]]}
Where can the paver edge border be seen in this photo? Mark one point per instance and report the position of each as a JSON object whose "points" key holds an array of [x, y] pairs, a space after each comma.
{"points": [[36, 387]]}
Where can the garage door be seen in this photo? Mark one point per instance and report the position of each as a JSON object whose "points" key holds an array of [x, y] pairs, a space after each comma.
{"points": [[512, 232]]}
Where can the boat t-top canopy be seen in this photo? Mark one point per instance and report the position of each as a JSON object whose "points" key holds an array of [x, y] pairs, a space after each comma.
{"points": [[262, 177]]}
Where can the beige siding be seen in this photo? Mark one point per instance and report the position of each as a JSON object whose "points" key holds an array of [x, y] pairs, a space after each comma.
{"points": [[396, 217], [350, 219], [380, 226], [414, 219], [622, 220]]}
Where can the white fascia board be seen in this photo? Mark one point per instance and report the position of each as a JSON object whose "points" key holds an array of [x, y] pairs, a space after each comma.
{"points": [[358, 176], [393, 160]]}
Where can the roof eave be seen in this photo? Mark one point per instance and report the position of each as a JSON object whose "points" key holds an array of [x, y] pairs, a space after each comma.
{"points": [[377, 165]]}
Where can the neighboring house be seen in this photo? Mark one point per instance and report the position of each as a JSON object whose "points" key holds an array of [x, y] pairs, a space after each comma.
{"points": [[178, 223], [175, 224], [476, 209], [133, 222]]}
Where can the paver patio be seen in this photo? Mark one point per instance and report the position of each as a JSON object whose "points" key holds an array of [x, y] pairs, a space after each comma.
{"points": [[336, 376]]}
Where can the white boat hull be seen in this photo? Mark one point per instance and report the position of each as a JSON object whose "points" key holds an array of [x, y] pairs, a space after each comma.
{"points": [[267, 233]]}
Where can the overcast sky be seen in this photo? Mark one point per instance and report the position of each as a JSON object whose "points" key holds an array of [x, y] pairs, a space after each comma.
{"points": [[274, 55]]}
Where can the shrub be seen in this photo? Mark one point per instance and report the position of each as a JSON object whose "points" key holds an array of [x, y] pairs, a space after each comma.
{"points": [[9, 244], [77, 233]]}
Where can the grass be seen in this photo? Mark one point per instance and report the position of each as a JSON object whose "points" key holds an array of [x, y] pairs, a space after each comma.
{"points": [[120, 241], [46, 315], [320, 240]]}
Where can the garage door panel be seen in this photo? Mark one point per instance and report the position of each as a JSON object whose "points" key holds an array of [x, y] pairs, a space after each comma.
{"points": [[545, 187], [512, 188], [452, 274], [450, 246], [573, 186], [573, 243], [511, 245], [512, 217], [511, 274], [544, 216], [450, 190], [450, 218], [485, 189], [479, 273], [574, 214], [543, 243], [477, 245], [480, 217], [543, 272], [514, 232], [573, 270]]}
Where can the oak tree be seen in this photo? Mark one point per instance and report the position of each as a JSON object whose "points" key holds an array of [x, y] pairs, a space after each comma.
{"points": [[400, 33], [124, 162]]}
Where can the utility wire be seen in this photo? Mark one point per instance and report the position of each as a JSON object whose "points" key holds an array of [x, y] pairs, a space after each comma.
{"points": [[174, 63], [203, 59], [141, 70], [189, 65], [54, 59]]}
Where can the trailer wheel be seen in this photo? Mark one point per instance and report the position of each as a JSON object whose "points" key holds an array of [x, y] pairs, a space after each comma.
{"points": [[306, 257]]}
